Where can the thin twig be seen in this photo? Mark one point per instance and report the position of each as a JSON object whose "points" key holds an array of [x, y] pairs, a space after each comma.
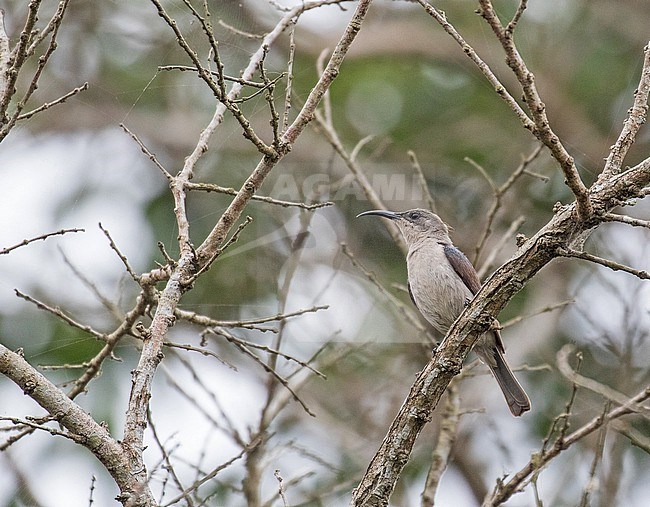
{"points": [[243, 348], [506, 490], [281, 493], [148, 153], [37, 426], [546, 309], [47, 105], [616, 266], [233, 239], [494, 252], [331, 135], [408, 314], [201, 350], [210, 187], [634, 222], [197, 484], [59, 313], [105, 301], [187, 68], [605, 391], [542, 130], [203, 320], [122, 257], [167, 459], [498, 193], [499, 88], [237, 31], [415, 163], [43, 60], [38, 238], [635, 118], [305, 116], [592, 484], [275, 352], [289, 87]]}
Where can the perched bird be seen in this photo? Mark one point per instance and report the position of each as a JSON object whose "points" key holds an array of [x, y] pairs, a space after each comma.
{"points": [[441, 282]]}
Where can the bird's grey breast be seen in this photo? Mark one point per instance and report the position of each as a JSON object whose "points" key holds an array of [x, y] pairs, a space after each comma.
{"points": [[439, 293]]}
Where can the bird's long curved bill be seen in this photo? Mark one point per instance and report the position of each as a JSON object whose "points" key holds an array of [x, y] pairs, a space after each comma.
{"points": [[380, 213]]}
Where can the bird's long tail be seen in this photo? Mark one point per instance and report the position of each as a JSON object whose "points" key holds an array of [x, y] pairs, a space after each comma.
{"points": [[516, 397]]}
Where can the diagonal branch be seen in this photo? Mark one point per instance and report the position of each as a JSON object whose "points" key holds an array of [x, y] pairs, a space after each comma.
{"points": [[537, 109], [636, 117], [191, 260], [605, 391], [499, 88], [71, 416], [431, 382], [506, 490], [289, 136]]}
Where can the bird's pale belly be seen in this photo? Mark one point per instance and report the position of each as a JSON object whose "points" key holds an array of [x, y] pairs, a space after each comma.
{"points": [[440, 297]]}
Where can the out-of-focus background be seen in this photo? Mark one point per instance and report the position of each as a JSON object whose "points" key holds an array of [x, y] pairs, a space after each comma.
{"points": [[410, 87]]}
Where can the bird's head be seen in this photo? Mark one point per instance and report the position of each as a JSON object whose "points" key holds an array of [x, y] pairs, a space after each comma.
{"points": [[415, 224]]}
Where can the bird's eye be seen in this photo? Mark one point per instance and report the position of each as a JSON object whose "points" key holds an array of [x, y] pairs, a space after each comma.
{"points": [[413, 215]]}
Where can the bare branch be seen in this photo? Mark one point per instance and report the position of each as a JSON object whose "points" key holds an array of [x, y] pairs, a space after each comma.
{"points": [[537, 109], [289, 87], [616, 266], [218, 234], [212, 474], [517, 16], [201, 350], [546, 309], [122, 257], [636, 117], [635, 222], [19, 55], [443, 446], [210, 187], [506, 490], [605, 391], [38, 238], [167, 459], [281, 492], [84, 428], [498, 193], [47, 105], [507, 236], [592, 484], [93, 366], [499, 88], [203, 320], [146, 151], [186, 68], [332, 137], [244, 348], [37, 426], [58, 313], [422, 180], [274, 352], [12, 61]]}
